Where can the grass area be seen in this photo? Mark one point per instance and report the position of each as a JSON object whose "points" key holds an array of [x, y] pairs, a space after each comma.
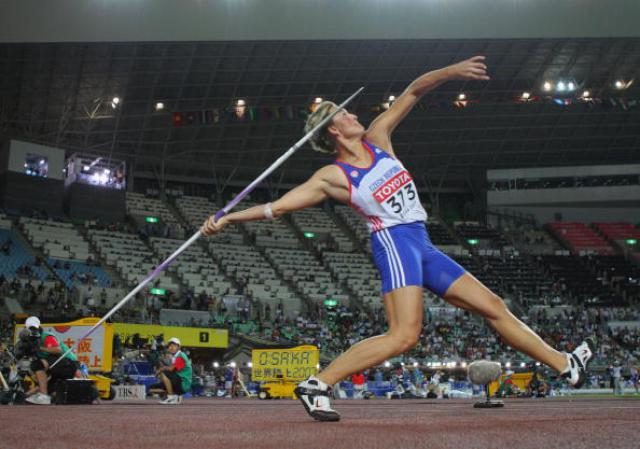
{"points": [[604, 395]]}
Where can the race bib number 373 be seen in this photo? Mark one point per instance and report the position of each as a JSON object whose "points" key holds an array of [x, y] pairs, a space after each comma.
{"points": [[398, 194]]}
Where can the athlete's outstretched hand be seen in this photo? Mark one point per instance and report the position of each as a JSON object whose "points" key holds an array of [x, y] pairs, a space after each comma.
{"points": [[211, 226], [469, 69]]}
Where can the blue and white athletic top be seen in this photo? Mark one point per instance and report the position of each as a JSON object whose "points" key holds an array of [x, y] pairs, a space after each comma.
{"points": [[384, 193]]}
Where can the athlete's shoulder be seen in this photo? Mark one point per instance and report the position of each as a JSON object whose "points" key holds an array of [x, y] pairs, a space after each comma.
{"points": [[328, 170], [380, 141], [331, 173]]}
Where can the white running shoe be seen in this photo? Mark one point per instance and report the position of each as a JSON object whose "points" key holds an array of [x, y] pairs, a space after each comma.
{"points": [[578, 362], [172, 399], [314, 395], [39, 399]]}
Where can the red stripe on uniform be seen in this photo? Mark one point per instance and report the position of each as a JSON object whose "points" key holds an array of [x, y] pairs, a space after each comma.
{"points": [[376, 222]]}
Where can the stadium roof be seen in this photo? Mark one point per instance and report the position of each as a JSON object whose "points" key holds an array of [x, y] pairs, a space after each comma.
{"points": [[61, 93], [255, 20]]}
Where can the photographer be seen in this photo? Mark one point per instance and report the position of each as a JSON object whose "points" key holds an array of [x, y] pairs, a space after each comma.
{"points": [[44, 348], [175, 378]]}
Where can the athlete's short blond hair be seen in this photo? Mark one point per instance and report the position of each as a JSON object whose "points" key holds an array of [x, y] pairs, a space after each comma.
{"points": [[321, 141]]}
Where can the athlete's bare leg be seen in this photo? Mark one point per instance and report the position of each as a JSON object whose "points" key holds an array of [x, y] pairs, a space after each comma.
{"points": [[470, 294], [404, 309]]}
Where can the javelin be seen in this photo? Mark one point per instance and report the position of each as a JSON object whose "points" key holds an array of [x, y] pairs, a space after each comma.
{"points": [[222, 212]]}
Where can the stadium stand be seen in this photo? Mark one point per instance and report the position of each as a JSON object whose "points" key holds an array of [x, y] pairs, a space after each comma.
{"points": [[68, 253], [358, 273], [266, 263], [622, 235], [439, 234], [443, 239], [195, 210], [356, 224], [530, 239], [56, 239], [70, 272], [273, 234], [580, 238], [325, 233], [617, 272], [5, 222], [617, 231], [252, 273], [111, 296], [308, 274], [16, 260], [174, 317], [196, 270], [577, 283], [481, 271], [450, 334], [487, 237], [519, 277], [131, 258], [142, 206], [256, 276]]}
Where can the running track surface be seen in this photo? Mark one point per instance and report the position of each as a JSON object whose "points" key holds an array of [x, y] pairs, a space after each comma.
{"points": [[400, 424]]}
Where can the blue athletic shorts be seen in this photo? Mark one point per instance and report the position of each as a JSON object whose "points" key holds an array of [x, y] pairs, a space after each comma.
{"points": [[404, 255]]}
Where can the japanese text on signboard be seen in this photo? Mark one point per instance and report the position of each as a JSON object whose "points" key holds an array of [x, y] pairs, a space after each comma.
{"points": [[93, 351]]}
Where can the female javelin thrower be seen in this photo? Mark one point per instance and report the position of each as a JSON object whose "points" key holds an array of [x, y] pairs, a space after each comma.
{"points": [[368, 176]]}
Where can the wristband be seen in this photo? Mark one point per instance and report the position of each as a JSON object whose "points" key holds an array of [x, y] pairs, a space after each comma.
{"points": [[268, 213]]}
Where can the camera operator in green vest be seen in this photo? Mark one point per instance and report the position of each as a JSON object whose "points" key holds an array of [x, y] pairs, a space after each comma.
{"points": [[176, 378], [46, 347]]}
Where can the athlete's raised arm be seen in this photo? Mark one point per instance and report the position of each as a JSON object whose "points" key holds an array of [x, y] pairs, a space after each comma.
{"points": [[324, 183], [380, 130]]}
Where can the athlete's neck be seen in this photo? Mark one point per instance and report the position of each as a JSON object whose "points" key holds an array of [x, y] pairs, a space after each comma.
{"points": [[353, 152]]}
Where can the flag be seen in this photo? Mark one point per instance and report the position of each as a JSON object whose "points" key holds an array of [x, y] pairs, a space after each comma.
{"points": [[208, 116], [623, 104], [253, 113], [288, 112]]}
